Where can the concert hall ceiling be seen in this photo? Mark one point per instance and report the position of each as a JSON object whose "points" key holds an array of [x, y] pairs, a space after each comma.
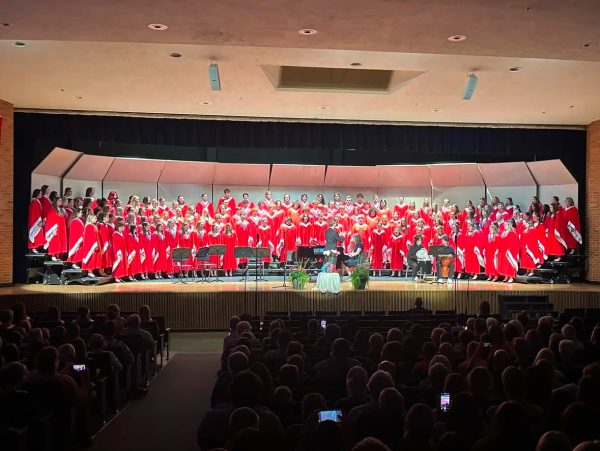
{"points": [[101, 56]]}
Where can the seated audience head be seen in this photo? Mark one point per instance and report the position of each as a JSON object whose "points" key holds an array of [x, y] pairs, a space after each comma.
{"points": [[392, 403], [370, 444], [340, 350], [332, 332], [243, 326], [553, 441], [242, 418], [11, 377], [288, 376], [312, 403], [96, 343], [356, 380], [113, 312], [298, 361], [134, 321], [388, 366], [237, 361], [378, 381], [579, 423], [455, 383], [246, 389], [233, 322], [375, 344], [145, 314], [395, 334], [328, 436], [283, 394], [46, 361]]}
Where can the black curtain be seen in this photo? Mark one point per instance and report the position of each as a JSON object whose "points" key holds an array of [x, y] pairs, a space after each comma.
{"points": [[36, 134]]}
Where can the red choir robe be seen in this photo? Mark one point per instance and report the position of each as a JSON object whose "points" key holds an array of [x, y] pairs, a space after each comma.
{"points": [[187, 241], [377, 241], [159, 252], [75, 254], [119, 250], [200, 206], [530, 253], [229, 203], [397, 251], [473, 253], [372, 221], [288, 236], [35, 227], [458, 243], [401, 209], [146, 243], [491, 255], [134, 265], [363, 231], [245, 231], [572, 232], [265, 239], [319, 228], [105, 231], [229, 260], [91, 248], [55, 232], [171, 238], [211, 240], [46, 206], [305, 233], [555, 241], [343, 232], [509, 247]]}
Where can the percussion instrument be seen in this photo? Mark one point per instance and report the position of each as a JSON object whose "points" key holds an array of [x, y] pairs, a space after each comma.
{"points": [[445, 261]]}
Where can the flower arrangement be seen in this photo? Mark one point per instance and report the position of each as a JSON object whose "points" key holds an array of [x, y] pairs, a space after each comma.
{"points": [[329, 261], [360, 277], [299, 277]]}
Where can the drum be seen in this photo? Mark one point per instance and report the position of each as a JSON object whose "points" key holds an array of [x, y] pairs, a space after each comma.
{"points": [[445, 261]]}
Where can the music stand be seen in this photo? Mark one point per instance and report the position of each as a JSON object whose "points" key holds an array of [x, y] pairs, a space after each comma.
{"points": [[244, 252], [202, 256], [219, 250], [180, 256], [285, 263], [260, 253]]}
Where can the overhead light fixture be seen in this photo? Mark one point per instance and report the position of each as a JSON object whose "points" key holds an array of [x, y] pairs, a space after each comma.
{"points": [[324, 107], [307, 31], [157, 26], [206, 102], [589, 44], [436, 110], [175, 55], [457, 38], [516, 69], [213, 77], [356, 64], [6, 24], [470, 88], [19, 44], [79, 97], [544, 112]]}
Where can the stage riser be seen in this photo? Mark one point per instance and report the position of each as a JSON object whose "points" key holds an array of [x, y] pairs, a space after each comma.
{"points": [[211, 310]]}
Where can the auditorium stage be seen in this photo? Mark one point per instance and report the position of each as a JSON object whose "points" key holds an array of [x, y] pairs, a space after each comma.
{"points": [[208, 306]]}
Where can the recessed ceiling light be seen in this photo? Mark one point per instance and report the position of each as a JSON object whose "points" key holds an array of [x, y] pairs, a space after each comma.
{"points": [[436, 110], [19, 44], [307, 31], [545, 112], [175, 55], [589, 44], [516, 69], [6, 24], [457, 37], [206, 102], [324, 107], [572, 106], [78, 97], [528, 9], [356, 64], [157, 26]]}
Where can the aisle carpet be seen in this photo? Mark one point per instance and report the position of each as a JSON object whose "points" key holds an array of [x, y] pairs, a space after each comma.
{"points": [[167, 418]]}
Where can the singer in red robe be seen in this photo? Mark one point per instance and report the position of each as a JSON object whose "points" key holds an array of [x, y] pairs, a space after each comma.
{"points": [[205, 204], [245, 231], [378, 242], [227, 200], [265, 238], [305, 231], [91, 246], [572, 232], [55, 230], [509, 247], [473, 252], [119, 249], [397, 251], [491, 241], [133, 253], [555, 242], [287, 242], [75, 253], [320, 226], [159, 253], [147, 245], [214, 237], [104, 231], [35, 222], [230, 241], [530, 254]]}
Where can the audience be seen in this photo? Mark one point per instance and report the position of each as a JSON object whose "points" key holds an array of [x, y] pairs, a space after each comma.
{"points": [[519, 384]]}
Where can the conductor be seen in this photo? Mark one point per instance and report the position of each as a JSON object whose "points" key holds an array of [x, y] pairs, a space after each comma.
{"points": [[332, 237]]}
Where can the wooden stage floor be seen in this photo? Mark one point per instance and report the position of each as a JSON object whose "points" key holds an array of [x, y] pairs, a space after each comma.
{"points": [[209, 305]]}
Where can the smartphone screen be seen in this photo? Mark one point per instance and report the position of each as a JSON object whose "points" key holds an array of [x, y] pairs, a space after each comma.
{"points": [[332, 415], [261, 325], [78, 368], [323, 323], [487, 345], [444, 402]]}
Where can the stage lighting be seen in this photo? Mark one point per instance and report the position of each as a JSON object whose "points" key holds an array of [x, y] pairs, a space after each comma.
{"points": [[213, 77], [470, 88]]}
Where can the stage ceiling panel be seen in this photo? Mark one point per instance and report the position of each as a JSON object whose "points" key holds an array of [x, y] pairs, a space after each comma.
{"points": [[550, 172], [90, 167], [455, 175], [188, 172], [297, 175], [135, 170], [341, 176], [403, 175], [58, 162], [506, 174], [242, 174]]}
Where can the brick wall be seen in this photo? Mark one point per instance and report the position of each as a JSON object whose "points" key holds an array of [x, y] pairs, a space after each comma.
{"points": [[6, 194], [592, 220]]}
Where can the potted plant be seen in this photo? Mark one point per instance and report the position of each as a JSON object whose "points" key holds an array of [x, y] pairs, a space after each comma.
{"points": [[299, 277], [360, 277]]}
